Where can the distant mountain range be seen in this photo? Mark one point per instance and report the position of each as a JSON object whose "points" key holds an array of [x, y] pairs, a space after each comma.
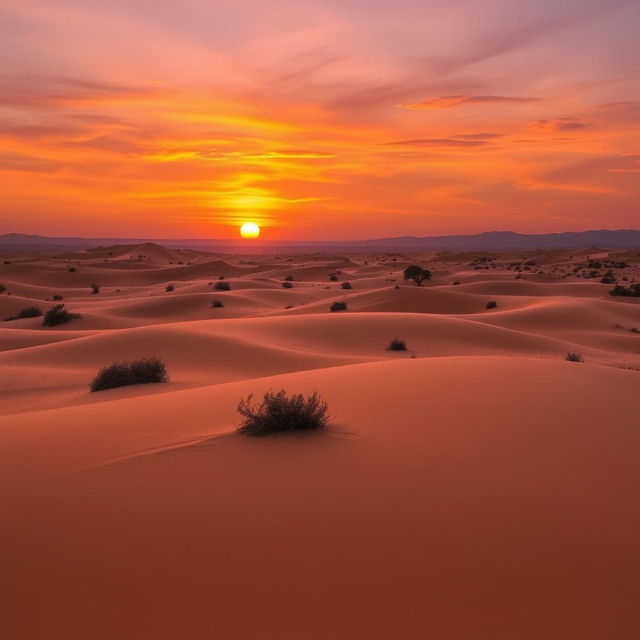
{"points": [[487, 241]]}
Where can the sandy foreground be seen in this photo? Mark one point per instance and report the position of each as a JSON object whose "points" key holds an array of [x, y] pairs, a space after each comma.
{"points": [[477, 486]]}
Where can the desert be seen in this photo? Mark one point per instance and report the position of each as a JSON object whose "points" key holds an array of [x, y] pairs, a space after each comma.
{"points": [[319, 320], [475, 484]]}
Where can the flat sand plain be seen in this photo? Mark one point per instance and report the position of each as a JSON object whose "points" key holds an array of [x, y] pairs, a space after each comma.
{"points": [[476, 486]]}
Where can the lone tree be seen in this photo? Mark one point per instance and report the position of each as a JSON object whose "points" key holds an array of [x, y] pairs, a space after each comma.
{"points": [[417, 274]]}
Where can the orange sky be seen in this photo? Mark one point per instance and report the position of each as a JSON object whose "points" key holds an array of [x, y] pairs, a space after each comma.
{"points": [[318, 120]]}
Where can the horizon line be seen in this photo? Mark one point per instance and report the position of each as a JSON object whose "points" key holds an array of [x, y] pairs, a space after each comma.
{"points": [[261, 240]]}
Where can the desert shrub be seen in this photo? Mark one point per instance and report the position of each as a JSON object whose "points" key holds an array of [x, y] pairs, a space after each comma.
{"points": [[57, 297], [287, 285], [574, 356], [289, 278], [280, 413], [120, 374], [30, 312], [289, 306], [346, 285], [397, 345], [620, 290], [95, 289], [217, 304], [635, 330], [417, 274], [222, 285], [3, 288], [492, 304], [72, 269], [58, 315], [333, 277], [338, 306], [456, 282], [169, 288]]}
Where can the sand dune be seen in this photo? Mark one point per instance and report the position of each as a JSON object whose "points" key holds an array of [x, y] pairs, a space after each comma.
{"points": [[386, 524], [476, 485]]}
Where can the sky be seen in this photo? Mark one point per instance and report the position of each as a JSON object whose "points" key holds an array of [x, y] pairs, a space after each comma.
{"points": [[325, 119]]}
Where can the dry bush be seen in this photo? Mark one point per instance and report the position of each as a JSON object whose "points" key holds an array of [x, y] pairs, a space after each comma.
{"points": [[120, 374], [278, 413], [58, 315]]}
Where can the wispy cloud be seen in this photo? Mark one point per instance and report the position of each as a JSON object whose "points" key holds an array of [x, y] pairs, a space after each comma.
{"points": [[459, 100], [479, 136], [438, 142], [560, 124], [42, 91]]}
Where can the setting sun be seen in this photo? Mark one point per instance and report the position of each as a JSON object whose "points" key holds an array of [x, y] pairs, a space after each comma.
{"points": [[249, 230]]}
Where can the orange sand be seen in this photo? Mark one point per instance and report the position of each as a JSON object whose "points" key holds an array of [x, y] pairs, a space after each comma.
{"points": [[484, 488]]}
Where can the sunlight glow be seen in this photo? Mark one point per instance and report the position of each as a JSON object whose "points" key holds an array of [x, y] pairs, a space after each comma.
{"points": [[249, 230]]}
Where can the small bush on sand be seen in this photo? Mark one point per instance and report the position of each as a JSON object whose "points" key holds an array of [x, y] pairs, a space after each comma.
{"points": [[346, 285], [222, 285], [217, 304], [95, 289], [287, 285], [169, 288], [3, 288], [120, 374], [574, 356], [397, 345], [57, 297], [72, 269], [620, 290], [29, 312], [58, 315], [333, 277], [635, 330], [456, 282], [289, 278], [338, 306], [278, 413], [492, 304]]}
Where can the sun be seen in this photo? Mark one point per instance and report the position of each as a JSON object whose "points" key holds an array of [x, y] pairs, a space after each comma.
{"points": [[249, 230]]}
